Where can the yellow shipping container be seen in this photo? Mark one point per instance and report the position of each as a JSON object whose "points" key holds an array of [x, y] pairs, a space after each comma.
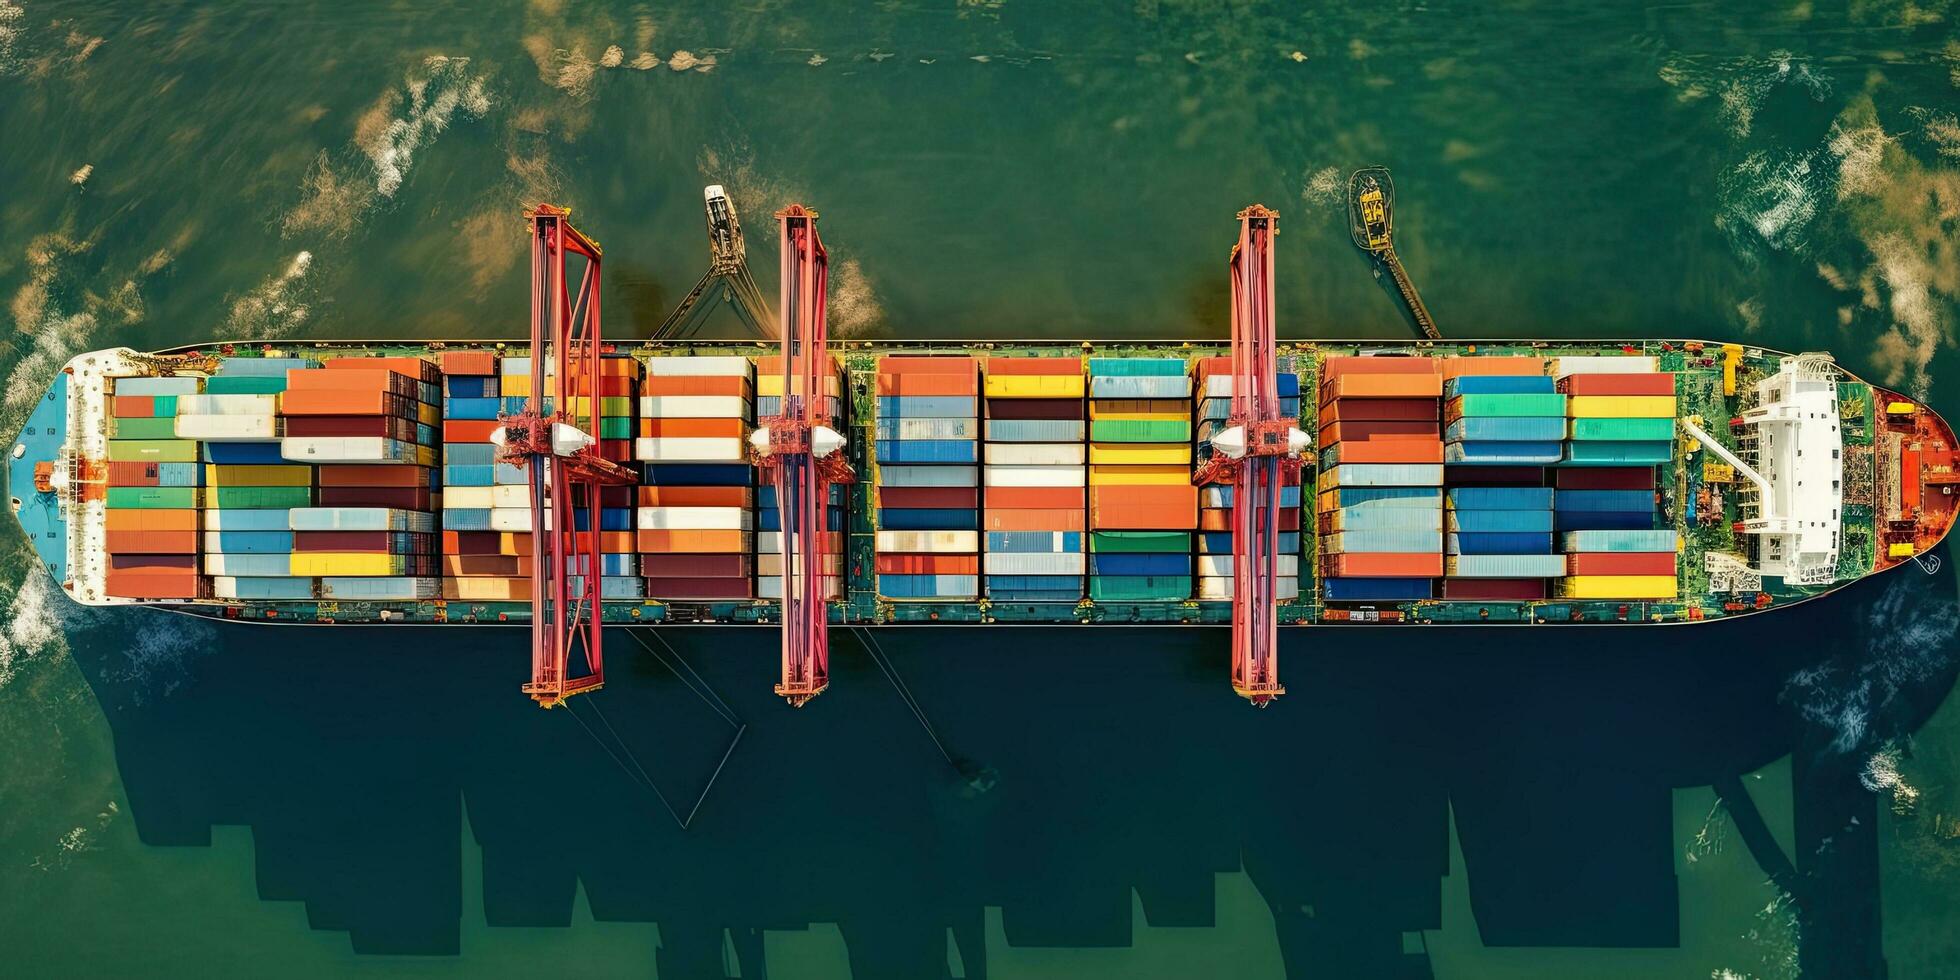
{"points": [[1141, 409], [507, 545], [772, 384], [238, 475], [347, 563], [428, 414], [1621, 406], [1138, 453], [486, 589], [1618, 587], [1035, 386], [1140, 476], [618, 406]]}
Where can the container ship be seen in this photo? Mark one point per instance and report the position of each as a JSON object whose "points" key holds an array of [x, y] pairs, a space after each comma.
{"points": [[1254, 483]]}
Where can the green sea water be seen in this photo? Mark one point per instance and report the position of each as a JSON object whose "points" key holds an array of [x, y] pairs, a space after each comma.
{"points": [[1770, 799]]}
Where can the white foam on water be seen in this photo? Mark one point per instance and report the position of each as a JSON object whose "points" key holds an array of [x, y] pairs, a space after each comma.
{"points": [[155, 652], [274, 309], [1861, 157], [444, 87], [34, 624], [1322, 187], [48, 332], [1909, 641], [613, 57], [1771, 199], [853, 302], [1906, 350], [13, 29], [1751, 81]]}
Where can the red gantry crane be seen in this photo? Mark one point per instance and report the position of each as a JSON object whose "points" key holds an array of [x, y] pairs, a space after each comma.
{"points": [[1255, 454], [552, 439], [800, 453]]}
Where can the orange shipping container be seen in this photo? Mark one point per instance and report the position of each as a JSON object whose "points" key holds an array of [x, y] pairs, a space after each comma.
{"points": [[343, 402], [1035, 366], [1382, 386], [501, 565], [684, 428], [1335, 367], [921, 383], [469, 362], [151, 542], [413, 367], [1462, 367], [693, 542], [1220, 519], [695, 497], [1036, 498], [723, 384], [1064, 519], [142, 519], [1358, 565], [348, 379], [617, 542], [152, 584], [899, 364], [610, 386], [134, 406], [928, 564], [133, 474], [468, 430], [1143, 508], [1391, 451]]}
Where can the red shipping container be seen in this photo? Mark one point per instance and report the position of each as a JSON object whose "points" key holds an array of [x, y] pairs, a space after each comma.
{"points": [[1604, 477], [476, 363], [1620, 563], [1037, 366], [618, 497], [411, 367], [1364, 565], [1037, 498], [723, 385], [1460, 367], [1382, 410], [694, 496], [1387, 429], [1661, 383], [699, 589], [357, 475], [134, 407], [929, 497], [468, 430], [153, 584], [928, 564], [1035, 408], [472, 543], [161, 563], [151, 542], [497, 566], [1497, 589], [696, 566], [617, 450], [1220, 519], [399, 498], [385, 426], [145, 519], [1334, 367], [1142, 508], [372, 542], [125, 474]]}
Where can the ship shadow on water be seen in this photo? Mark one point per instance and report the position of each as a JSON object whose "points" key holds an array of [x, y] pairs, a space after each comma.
{"points": [[1107, 762]]}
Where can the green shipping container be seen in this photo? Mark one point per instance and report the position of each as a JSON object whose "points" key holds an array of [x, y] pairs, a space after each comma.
{"points": [[1139, 588], [1622, 430], [1618, 453], [615, 428], [1137, 367], [155, 428], [1140, 542], [1511, 405], [152, 451], [259, 497], [165, 406], [153, 498], [1140, 430], [244, 384]]}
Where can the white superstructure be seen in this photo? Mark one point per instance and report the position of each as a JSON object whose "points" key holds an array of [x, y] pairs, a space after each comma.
{"points": [[1799, 451]]}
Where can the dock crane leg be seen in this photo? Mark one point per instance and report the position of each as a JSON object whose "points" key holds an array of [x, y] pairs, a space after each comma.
{"points": [[799, 451], [1254, 455], [555, 446]]}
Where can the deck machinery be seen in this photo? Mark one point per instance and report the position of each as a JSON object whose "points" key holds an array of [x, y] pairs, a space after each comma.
{"points": [[1786, 478]]}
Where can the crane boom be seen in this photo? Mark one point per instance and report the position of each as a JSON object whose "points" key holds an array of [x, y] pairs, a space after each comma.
{"points": [[551, 438], [800, 454]]}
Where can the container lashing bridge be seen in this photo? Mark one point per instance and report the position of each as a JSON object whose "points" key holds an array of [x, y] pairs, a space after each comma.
{"points": [[800, 452], [551, 439], [1256, 455]]}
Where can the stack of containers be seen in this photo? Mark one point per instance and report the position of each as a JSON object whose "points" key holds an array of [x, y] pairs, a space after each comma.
{"points": [[153, 492], [1217, 564], [252, 488], [696, 529], [1143, 509], [1380, 487], [476, 564], [1035, 478], [372, 537], [1622, 412], [1503, 423], [614, 418], [510, 510], [769, 518], [928, 479]]}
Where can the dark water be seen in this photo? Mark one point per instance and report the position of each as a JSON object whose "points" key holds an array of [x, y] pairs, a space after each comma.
{"points": [[1769, 799]]}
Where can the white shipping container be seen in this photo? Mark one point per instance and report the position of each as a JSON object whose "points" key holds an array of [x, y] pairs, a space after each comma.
{"points": [[693, 407], [215, 563], [469, 498], [1035, 454], [772, 564], [688, 450], [694, 519], [509, 495], [1036, 563], [1036, 476], [929, 542], [227, 405], [228, 428], [510, 519], [1604, 364], [700, 366], [359, 519], [347, 449]]}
